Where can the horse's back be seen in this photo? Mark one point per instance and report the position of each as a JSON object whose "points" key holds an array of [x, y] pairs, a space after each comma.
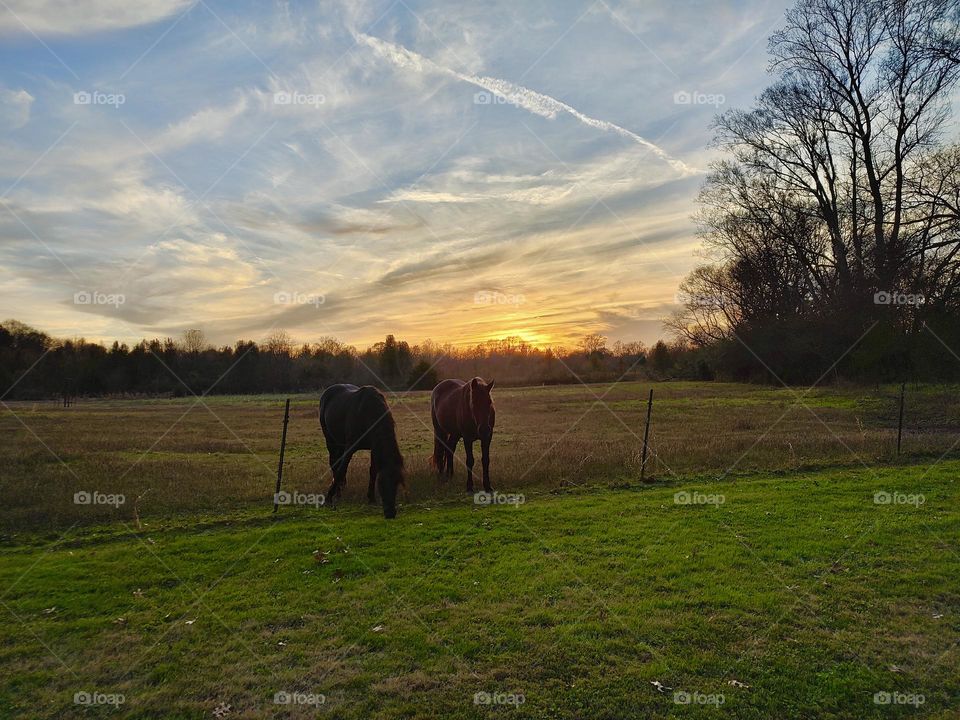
{"points": [[333, 393], [443, 389], [347, 412], [332, 403]]}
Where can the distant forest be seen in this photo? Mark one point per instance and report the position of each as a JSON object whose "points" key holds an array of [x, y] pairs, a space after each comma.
{"points": [[34, 365]]}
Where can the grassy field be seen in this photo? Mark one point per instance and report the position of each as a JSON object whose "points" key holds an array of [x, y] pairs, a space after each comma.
{"points": [[797, 596], [220, 453], [783, 564]]}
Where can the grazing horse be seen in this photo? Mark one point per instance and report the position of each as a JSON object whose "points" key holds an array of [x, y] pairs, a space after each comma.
{"points": [[462, 410], [358, 418]]}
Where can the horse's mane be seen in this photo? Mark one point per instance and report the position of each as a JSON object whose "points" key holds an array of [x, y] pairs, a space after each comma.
{"points": [[389, 439]]}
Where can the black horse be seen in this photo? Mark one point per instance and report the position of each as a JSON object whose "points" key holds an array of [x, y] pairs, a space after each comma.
{"points": [[358, 418], [462, 410]]}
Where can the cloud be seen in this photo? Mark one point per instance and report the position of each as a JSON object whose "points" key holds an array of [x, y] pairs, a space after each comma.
{"points": [[14, 108], [522, 97], [68, 17], [204, 125], [621, 172], [396, 197]]}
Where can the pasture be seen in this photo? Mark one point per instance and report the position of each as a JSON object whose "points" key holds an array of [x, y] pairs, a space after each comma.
{"points": [[778, 583], [219, 453]]}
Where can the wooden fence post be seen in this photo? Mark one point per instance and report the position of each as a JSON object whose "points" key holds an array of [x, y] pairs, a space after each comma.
{"points": [[903, 387], [646, 437], [283, 447]]}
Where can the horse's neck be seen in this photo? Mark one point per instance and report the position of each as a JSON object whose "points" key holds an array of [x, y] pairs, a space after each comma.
{"points": [[386, 451], [466, 421]]}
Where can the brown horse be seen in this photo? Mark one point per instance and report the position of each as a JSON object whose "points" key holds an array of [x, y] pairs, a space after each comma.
{"points": [[358, 418], [462, 410]]}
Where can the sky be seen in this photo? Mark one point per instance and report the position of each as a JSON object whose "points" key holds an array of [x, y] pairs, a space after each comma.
{"points": [[452, 171]]}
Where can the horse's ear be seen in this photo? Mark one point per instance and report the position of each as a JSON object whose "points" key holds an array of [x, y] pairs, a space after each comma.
{"points": [[490, 385], [475, 382]]}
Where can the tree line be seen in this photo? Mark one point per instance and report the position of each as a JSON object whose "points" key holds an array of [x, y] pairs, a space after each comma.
{"points": [[34, 365], [833, 217]]}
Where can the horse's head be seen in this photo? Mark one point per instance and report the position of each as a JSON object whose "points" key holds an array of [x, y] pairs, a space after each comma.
{"points": [[481, 404], [389, 479]]}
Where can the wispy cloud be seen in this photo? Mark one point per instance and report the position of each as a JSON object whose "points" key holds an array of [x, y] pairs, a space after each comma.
{"points": [[390, 191], [514, 94], [65, 17]]}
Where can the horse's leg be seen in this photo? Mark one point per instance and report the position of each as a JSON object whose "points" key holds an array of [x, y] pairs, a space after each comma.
{"points": [[344, 463], [439, 445], [339, 475], [452, 440], [335, 453], [485, 461], [468, 449], [371, 492]]}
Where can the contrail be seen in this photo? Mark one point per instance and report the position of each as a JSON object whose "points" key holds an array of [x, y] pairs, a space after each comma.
{"points": [[530, 100]]}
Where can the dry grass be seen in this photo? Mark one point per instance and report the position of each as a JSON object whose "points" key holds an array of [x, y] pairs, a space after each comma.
{"points": [[182, 455]]}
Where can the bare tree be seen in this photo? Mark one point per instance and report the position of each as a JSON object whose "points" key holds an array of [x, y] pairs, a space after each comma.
{"points": [[593, 343], [194, 341], [834, 188], [279, 342]]}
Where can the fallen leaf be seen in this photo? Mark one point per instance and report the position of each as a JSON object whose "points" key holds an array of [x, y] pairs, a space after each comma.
{"points": [[191, 622], [378, 628], [50, 610], [737, 683], [660, 686]]}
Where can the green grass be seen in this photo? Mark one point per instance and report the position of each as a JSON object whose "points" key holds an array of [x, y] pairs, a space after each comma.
{"points": [[797, 585]]}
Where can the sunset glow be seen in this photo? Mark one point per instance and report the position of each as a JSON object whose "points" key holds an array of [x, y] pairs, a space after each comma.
{"points": [[359, 169]]}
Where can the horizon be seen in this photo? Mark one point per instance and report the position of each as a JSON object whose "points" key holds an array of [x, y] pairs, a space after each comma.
{"points": [[296, 344], [241, 169]]}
